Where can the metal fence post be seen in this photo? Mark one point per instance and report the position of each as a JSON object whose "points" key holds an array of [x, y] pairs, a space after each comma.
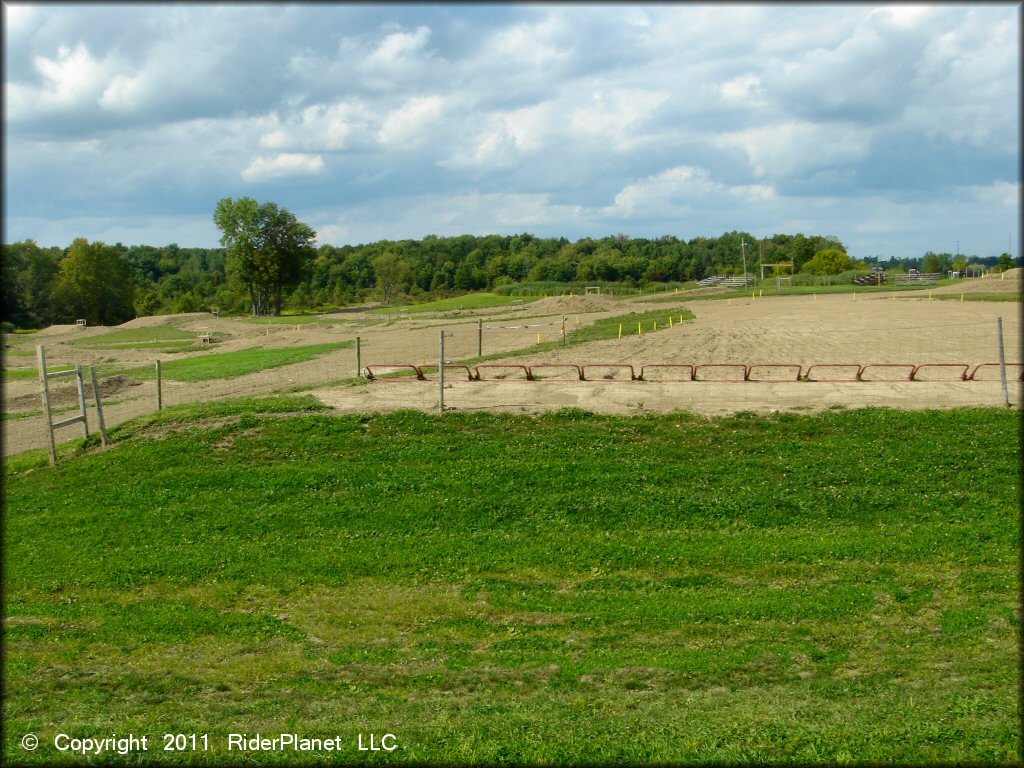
{"points": [[480, 338], [359, 363]]}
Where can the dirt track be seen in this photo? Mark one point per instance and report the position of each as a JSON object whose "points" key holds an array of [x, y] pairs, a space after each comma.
{"points": [[864, 328]]}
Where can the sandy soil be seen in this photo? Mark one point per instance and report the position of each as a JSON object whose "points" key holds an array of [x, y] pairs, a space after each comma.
{"points": [[1010, 281], [877, 328]]}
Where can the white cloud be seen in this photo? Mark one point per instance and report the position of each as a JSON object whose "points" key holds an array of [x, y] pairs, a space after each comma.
{"points": [[1001, 194], [663, 193], [744, 90], [539, 44], [407, 124], [321, 127], [399, 47], [73, 78], [625, 115], [283, 165], [615, 114], [793, 147]]}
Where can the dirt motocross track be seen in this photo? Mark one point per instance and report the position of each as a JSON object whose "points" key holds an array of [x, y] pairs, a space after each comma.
{"points": [[880, 328]]}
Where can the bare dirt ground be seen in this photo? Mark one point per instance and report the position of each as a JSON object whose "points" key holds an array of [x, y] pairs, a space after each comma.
{"points": [[1010, 281], [861, 329]]}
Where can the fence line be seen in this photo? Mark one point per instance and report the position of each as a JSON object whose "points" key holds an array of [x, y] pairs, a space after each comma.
{"points": [[525, 349], [484, 371]]}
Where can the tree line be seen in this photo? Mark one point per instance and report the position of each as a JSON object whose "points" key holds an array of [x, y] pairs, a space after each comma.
{"points": [[269, 262]]}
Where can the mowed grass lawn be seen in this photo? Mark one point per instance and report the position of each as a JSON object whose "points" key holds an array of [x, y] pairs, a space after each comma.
{"points": [[481, 300], [512, 588], [228, 365]]}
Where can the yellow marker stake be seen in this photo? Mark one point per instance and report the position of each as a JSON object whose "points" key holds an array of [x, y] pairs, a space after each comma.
{"points": [[760, 292], [639, 329], [855, 296], [815, 296], [655, 325], [577, 319], [680, 318], [620, 330], [929, 295], [670, 321], [538, 338]]}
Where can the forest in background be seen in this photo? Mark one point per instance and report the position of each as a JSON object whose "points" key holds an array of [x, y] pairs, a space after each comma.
{"points": [[109, 284]]}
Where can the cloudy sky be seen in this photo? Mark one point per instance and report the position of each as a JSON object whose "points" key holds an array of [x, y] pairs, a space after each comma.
{"points": [[895, 128]]}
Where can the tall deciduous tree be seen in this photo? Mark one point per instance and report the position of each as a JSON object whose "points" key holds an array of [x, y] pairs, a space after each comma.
{"points": [[28, 277], [392, 274], [95, 283], [267, 249]]}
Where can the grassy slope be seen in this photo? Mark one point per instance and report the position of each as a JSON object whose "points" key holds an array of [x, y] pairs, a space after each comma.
{"points": [[560, 587], [227, 365], [482, 300]]}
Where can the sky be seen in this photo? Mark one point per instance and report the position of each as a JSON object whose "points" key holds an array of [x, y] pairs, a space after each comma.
{"points": [[893, 128]]}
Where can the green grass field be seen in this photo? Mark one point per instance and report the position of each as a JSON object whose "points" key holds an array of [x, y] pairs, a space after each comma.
{"points": [[293, 319], [480, 300], [228, 365], [162, 338], [156, 333], [524, 589], [23, 374]]}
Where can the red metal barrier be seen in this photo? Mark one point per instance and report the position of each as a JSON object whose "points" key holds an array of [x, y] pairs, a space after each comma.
{"points": [[786, 366], [670, 366], [508, 368], [451, 371], [963, 372], [394, 367], [906, 366], [855, 366], [611, 377], [567, 368], [742, 368], [994, 365]]}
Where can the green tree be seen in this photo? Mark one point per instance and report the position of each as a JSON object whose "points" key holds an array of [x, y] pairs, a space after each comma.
{"points": [[393, 274], [29, 276], [1005, 262], [830, 261], [267, 249], [936, 262], [800, 251], [147, 302], [94, 283]]}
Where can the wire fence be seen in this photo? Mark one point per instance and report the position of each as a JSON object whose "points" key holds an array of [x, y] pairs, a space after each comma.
{"points": [[735, 353]]}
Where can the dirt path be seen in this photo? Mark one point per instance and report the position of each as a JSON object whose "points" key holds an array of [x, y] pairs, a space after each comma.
{"points": [[798, 330]]}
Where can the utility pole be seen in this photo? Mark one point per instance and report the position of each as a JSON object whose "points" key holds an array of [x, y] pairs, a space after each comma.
{"points": [[743, 245]]}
